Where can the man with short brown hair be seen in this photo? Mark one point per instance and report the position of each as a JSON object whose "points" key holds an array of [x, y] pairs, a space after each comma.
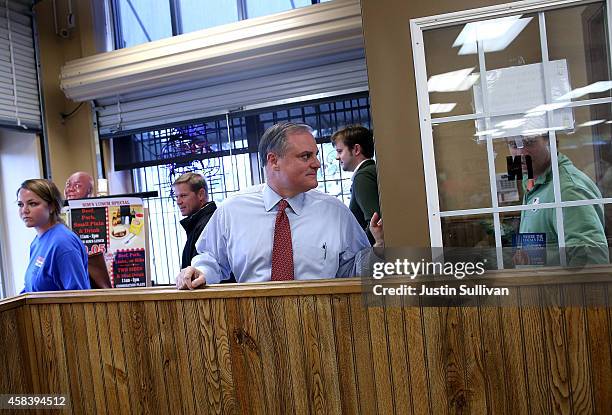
{"points": [[191, 194], [354, 150]]}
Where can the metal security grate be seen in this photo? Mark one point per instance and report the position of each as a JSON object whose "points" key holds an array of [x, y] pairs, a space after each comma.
{"points": [[229, 163]]}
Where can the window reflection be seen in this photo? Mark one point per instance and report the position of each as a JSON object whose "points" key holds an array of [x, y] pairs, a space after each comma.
{"points": [[198, 14], [256, 8], [142, 21]]}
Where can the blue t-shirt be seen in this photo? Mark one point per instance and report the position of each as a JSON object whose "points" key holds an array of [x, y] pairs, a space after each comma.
{"points": [[58, 261]]}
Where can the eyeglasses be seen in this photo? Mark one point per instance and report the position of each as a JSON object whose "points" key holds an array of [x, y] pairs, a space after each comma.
{"points": [[76, 186], [522, 142]]}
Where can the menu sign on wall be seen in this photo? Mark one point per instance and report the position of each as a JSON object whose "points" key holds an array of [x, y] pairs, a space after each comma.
{"points": [[116, 227]]}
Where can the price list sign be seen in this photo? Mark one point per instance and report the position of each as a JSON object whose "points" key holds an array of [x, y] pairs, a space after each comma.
{"points": [[90, 225], [117, 228]]}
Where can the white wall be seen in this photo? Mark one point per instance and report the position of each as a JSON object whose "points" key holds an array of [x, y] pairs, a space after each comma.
{"points": [[19, 160]]}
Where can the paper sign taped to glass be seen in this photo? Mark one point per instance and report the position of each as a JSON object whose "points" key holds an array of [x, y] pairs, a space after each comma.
{"points": [[519, 92]]}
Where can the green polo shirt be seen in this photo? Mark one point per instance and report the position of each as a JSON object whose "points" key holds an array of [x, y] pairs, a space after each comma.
{"points": [[585, 238]]}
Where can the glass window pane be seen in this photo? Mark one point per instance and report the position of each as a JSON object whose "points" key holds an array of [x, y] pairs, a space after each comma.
{"points": [[461, 167], [588, 152], [585, 238], [578, 35], [144, 20], [450, 75], [256, 8], [470, 238], [509, 41], [529, 238], [198, 14]]}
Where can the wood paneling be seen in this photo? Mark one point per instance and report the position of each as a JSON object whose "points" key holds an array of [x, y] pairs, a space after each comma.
{"points": [[310, 348]]}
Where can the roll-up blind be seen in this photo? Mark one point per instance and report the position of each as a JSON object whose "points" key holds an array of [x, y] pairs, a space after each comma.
{"points": [[300, 54], [19, 101]]}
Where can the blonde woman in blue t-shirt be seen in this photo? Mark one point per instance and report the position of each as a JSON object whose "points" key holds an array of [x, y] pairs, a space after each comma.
{"points": [[58, 258]]}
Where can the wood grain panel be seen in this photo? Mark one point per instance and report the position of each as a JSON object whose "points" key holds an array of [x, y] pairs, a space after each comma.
{"points": [[195, 356], [514, 358], [297, 355], [209, 357], [474, 361], [53, 350], [494, 360], [576, 338], [95, 359], [344, 354], [312, 358], [554, 336], [107, 362], [116, 343], [362, 345], [535, 353], [75, 315], [599, 338], [331, 382], [273, 351], [239, 369], [74, 375], [380, 359], [135, 340], [247, 335], [167, 320], [398, 352], [222, 340], [314, 353], [417, 360], [450, 321], [26, 324], [38, 347], [16, 352], [435, 346], [177, 327]]}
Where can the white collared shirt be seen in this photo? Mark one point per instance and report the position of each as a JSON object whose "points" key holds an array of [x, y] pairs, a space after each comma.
{"points": [[325, 236], [357, 168]]}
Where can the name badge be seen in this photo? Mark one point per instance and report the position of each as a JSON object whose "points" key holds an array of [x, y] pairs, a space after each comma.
{"points": [[39, 262]]}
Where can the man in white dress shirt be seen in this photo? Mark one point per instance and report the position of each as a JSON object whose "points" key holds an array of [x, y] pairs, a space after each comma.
{"points": [[283, 229]]}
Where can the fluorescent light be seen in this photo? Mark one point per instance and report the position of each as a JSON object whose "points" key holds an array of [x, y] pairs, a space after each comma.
{"points": [[594, 88], [495, 34], [441, 108], [460, 80], [590, 123]]}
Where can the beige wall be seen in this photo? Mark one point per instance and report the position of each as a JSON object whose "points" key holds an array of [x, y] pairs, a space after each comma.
{"points": [[71, 141]]}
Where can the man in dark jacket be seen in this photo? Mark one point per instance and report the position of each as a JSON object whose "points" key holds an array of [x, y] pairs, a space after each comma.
{"points": [[355, 149], [191, 194]]}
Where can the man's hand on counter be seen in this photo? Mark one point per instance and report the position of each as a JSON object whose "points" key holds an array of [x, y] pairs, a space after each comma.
{"points": [[190, 278]]}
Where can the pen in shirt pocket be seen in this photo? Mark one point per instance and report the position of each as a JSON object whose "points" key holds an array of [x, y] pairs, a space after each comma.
{"points": [[324, 247]]}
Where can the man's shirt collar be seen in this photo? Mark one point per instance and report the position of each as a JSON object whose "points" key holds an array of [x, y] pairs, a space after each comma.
{"points": [[271, 198], [357, 168]]}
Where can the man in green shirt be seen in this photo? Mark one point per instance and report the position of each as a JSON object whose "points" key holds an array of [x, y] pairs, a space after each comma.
{"points": [[585, 238]]}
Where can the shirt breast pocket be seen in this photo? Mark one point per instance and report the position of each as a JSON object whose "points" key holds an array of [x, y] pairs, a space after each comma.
{"points": [[312, 261]]}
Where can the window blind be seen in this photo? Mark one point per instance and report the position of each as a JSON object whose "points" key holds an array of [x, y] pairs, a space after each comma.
{"points": [[19, 100]]}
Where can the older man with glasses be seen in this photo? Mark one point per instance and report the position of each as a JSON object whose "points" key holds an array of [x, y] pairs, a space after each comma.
{"points": [[79, 186], [585, 237]]}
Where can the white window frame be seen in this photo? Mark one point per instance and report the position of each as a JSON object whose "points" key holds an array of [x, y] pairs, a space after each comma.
{"points": [[417, 27]]}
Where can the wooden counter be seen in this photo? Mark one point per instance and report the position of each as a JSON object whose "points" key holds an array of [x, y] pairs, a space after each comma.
{"points": [[311, 347]]}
